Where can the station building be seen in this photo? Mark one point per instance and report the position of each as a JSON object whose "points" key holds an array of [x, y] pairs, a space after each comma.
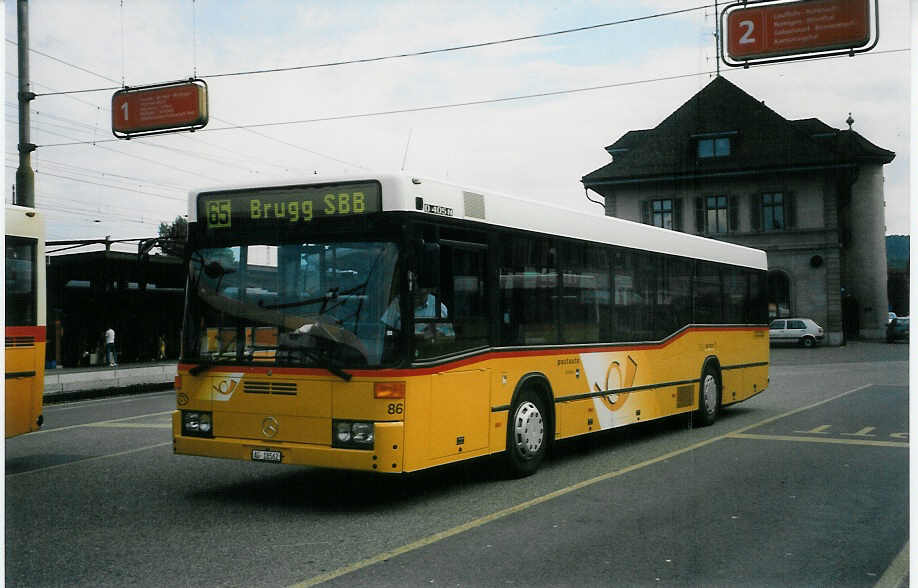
{"points": [[726, 166], [88, 292]]}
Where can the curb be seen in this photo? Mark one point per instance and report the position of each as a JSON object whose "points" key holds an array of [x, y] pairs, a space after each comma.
{"points": [[60, 397]]}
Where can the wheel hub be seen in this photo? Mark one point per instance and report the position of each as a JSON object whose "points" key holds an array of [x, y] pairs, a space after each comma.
{"points": [[710, 394], [528, 429]]}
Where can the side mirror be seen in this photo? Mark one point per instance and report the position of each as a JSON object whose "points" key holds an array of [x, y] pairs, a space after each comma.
{"points": [[429, 265], [168, 246]]}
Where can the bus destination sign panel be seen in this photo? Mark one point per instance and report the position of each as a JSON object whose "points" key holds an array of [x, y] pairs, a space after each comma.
{"points": [[160, 108], [793, 28], [289, 206]]}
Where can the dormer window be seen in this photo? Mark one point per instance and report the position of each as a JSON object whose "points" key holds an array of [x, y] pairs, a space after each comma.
{"points": [[711, 145], [719, 147]]}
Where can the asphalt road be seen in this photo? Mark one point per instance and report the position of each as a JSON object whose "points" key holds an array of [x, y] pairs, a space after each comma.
{"points": [[806, 484]]}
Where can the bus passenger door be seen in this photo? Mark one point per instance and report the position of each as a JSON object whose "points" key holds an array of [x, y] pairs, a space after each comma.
{"points": [[460, 400]]}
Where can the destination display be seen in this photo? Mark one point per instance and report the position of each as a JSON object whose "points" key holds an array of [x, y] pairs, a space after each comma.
{"points": [[790, 28], [159, 108], [286, 206]]}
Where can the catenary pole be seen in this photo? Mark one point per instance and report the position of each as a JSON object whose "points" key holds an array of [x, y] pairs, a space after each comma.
{"points": [[25, 177]]}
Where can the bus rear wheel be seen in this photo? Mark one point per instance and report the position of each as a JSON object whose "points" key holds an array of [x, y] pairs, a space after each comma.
{"points": [[527, 434], [709, 396]]}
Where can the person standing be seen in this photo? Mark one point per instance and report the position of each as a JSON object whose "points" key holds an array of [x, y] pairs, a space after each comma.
{"points": [[110, 347]]}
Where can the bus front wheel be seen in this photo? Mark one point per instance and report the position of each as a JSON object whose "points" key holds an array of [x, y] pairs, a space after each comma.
{"points": [[527, 434]]}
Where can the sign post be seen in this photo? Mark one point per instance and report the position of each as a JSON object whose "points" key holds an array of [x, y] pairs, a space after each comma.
{"points": [[768, 31], [159, 108]]}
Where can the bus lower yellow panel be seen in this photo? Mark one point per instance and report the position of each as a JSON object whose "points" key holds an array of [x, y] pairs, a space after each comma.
{"points": [[732, 385], [755, 379], [24, 394], [575, 418], [463, 412], [458, 407], [18, 406], [289, 428]]}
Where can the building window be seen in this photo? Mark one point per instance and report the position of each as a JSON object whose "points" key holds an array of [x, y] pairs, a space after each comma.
{"points": [[665, 213], [773, 211], [662, 213], [714, 147], [715, 214]]}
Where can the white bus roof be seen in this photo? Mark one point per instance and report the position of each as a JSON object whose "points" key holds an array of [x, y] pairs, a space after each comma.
{"points": [[400, 192]]}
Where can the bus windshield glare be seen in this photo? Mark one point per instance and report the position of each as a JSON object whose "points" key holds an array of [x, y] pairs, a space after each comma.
{"points": [[292, 304]]}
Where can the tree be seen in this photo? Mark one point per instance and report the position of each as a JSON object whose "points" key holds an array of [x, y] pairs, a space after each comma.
{"points": [[178, 230]]}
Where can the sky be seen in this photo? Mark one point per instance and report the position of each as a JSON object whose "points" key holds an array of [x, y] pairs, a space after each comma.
{"points": [[91, 185]]}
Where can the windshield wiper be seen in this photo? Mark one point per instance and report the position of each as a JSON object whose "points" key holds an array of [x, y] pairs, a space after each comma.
{"points": [[300, 350], [325, 361], [332, 294]]}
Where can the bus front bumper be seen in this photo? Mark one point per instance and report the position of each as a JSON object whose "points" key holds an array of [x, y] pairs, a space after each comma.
{"points": [[386, 456]]}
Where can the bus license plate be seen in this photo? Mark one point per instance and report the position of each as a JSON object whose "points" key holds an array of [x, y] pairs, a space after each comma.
{"points": [[266, 455]]}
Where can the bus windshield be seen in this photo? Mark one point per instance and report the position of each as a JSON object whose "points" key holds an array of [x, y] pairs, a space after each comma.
{"points": [[294, 304]]}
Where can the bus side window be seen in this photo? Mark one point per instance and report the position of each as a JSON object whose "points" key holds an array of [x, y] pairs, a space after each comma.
{"points": [[469, 299], [708, 292], [528, 285], [462, 321], [584, 293]]}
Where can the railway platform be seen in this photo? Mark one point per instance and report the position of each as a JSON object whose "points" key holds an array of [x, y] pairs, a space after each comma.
{"points": [[85, 382]]}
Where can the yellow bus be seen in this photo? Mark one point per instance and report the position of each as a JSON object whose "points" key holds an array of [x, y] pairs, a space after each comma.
{"points": [[24, 352], [391, 323]]}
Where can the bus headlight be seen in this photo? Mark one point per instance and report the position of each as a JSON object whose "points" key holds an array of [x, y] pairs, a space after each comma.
{"points": [[352, 434], [197, 423]]}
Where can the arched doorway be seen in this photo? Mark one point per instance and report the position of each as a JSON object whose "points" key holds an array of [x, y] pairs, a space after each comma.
{"points": [[778, 294]]}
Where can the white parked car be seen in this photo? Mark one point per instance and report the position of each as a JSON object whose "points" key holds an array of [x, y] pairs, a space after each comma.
{"points": [[802, 331]]}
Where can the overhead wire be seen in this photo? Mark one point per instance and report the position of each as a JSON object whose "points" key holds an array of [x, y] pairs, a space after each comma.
{"points": [[59, 205], [95, 172], [81, 126], [480, 102], [196, 173], [95, 175], [91, 203], [407, 54], [100, 184], [153, 219], [251, 127], [56, 204], [102, 108]]}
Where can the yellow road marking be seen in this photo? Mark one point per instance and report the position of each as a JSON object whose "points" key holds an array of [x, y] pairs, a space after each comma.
{"points": [[102, 423], [431, 539], [829, 440], [865, 432], [78, 404], [131, 425], [494, 516], [897, 571], [90, 459], [820, 430]]}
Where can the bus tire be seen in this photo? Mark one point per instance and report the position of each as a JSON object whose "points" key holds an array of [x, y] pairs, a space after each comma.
{"points": [[708, 396], [527, 434]]}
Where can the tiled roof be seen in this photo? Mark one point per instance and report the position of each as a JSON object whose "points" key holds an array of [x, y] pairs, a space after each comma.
{"points": [[761, 139]]}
